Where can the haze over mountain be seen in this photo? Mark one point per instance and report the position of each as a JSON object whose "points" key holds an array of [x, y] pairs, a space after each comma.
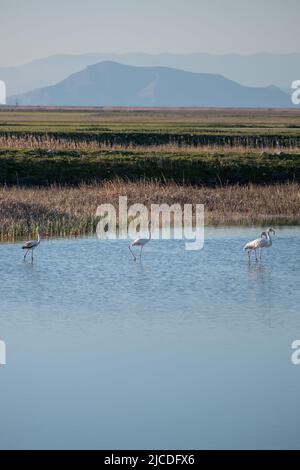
{"points": [[112, 84], [252, 70]]}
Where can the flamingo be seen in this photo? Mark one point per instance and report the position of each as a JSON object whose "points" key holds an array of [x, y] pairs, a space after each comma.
{"points": [[31, 245], [140, 242], [264, 241]]}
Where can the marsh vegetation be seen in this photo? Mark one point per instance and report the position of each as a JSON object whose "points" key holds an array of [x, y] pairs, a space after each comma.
{"points": [[56, 166]]}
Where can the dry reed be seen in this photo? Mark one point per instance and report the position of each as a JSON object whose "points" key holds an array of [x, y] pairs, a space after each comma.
{"points": [[32, 142], [70, 211]]}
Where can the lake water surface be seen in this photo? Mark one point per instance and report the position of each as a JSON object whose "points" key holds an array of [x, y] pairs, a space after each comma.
{"points": [[186, 350]]}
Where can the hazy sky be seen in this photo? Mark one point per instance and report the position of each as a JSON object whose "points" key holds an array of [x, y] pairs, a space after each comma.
{"points": [[37, 28]]}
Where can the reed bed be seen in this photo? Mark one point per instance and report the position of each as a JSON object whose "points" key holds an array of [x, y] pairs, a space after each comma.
{"points": [[70, 211], [66, 140], [51, 144]]}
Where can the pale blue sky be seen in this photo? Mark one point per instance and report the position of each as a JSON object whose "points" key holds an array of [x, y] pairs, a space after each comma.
{"points": [[37, 28]]}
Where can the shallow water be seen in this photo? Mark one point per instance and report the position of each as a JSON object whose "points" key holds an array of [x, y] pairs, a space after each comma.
{"points": [[185, 350]]}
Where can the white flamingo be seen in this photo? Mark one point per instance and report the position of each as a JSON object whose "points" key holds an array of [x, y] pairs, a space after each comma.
{"points": [[140, 242], [264, 241], [31, 245]]}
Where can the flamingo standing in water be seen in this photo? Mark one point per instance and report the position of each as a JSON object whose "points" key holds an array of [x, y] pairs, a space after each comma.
{"points": [[264, 241], [31, 245], [140, 242]]}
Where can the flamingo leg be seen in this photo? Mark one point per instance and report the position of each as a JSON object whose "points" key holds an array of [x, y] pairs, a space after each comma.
{"points": [[27, 251], [141, 252], [256, 255], [249, 256], [32, 256], [260, 254], [134, 257]]}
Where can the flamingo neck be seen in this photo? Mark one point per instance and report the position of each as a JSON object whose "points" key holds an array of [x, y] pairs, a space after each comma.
{"points": [[269, 238], [38, 237]]}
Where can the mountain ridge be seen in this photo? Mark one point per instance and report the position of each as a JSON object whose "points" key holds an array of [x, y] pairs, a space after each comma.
{"points": [[257, 70], [109, 83]]}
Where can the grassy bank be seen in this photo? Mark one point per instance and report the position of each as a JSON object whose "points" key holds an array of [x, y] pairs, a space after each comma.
{"points": [[68, 211], [198, 167]]}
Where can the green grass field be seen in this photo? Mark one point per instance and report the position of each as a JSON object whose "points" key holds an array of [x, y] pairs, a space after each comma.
{"points": [[188, 146], [175, 121], [39, 167]]}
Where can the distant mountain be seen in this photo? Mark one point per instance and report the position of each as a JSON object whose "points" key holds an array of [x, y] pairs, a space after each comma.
{"points": [[45, 72], [112, 84], [252, 70]]}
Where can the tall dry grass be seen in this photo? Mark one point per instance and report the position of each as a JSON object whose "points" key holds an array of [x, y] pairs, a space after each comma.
{"points": [[70, 211], [32, 142]]}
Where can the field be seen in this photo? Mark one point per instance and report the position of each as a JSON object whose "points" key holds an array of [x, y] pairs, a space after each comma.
{"points": [[57, 165], [248, 127]]}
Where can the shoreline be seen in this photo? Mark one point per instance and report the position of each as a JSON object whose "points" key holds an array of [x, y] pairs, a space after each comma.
{"points": [[54, 238]]}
